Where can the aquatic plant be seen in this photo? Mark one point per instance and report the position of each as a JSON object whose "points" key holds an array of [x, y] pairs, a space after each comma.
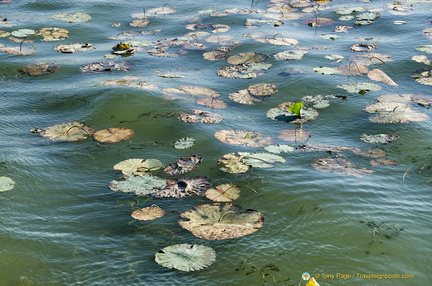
{"points": [[186, 257]]}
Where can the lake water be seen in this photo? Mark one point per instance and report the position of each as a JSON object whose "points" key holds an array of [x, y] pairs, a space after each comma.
{"points": [[62, 225]]}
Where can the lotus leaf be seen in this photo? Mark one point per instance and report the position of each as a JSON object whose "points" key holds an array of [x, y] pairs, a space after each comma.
{"points": [[379, 75], [421, 59], [282, 113], [232, 163], [185, 187], [74, 48], [114, 134], [140, 23], [184, 143], [138, 167], [289, 55], [262, 89], [23, 33], [106, 67], [221, 221], [379, 138], [41, 69], [4, 34], [161, 10], [250, 23], [186, 257], [383, 162], [368, 16], [329, 36], [327, 149], [6, 184], [247, 58], [279, 148], [130, 81], [148, 213], [215, 55], [262, 160], [243, 138], [349, 10], [189, 91], [183, 165], [243, 71], [244, 97], [359, 87], [70, 131], [211, 102], [21, 51], [295, 135], [72, 17], [362, 47], [317, 101], [202, 116], [318, 22], [368, 59], [340, 166], [223, 193], [140, 185], [326, 70]]}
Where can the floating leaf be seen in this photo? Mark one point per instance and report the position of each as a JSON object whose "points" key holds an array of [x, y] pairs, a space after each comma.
{"points": [[148, 213], [165, 10], [383, 162], [105, 67], [295, 135], [368, 59], [138, 167], [183, 165], [326, 70], [362, 47], [379, 75], [77, 17], [201, 116], [317, 101], [185, 187], [223, 193], [211, 102], [279, 148], [379, 138], [318, 22], [424, 48], [21, 51], [23, 33], [70, 131], [244, 97], [215, 55], [340, 166], [41, 69], [289, 55], [140, 185], [232, 163], [186, 257], [114, 134], [130, 81], [262, 89], [421, 59], [74, 48], [359, 87], [243, 138], [262, 160], [184, 143], [6, 184], [252, 23], [282, 113], [221, 221], [371, 153], [243, 71]]}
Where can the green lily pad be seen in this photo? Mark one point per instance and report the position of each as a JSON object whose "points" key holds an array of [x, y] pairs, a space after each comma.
{"points": [[6, 184], [359, 87], [262, 160], [326, 70], [23, 33], [282, 113], [73, 48], [77, 17], [184, 143], [279, 148], [138, 167], [71, 131], [221, 221], [289, 55], [186, 257], [141, 185]]}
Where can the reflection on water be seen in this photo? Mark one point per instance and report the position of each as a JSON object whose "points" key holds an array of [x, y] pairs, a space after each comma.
{"points": [[62, 225]]}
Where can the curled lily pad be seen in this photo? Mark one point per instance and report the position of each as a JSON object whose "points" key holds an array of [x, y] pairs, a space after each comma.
{"points": [[421, 59], [279, 148], [184, 143], [232, 163], [243, 71], [183, 165], [105, 67], [336, 58], [186, 257], [74, 48], [221, 221], [359, 87], [140, 185], [289, 55], [379, 138], [6, 184], [114, 134], [185, 187], [148, 213], [262, 160], [295, 135], [363, 47], [243, 138], [379, 75], [223, 193], [201, 116], [53, 34], [138, 167], [423, 76], [70, 131], [77, 17], [41, 69], [340, 166]]}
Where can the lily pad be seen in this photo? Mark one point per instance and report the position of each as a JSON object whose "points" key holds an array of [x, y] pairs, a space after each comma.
{"points": [[41, 69], [185, 187], [53, 34], [279, 148], [223, 193], [379, 75], [317, 101], [368, 59], [164, 10], [340, 166], [6, 184], [201, 116], [244, 97], [114, 134], [183, 165], [232, 163], [221, 221], [130, 81], [184, 143], [379, 138], [138, 167], [262, 89], [243, 138], [140, 185], [243, 71], [148, 213], [359, 87], [211, 102], [362, 47], [383, 162], [282, 113], [105, 67], [186, 257], [215, 55], [23, 33], [74, 48], [189, 91], [262, 160], [77, 17], [70, 131], [289, 55], [295, 135], [326, 70]]}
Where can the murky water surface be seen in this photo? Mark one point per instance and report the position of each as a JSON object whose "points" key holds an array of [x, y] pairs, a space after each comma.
{"points": [[62, 225]]}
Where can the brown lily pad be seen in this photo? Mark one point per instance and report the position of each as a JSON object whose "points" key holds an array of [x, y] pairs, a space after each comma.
{"points": [[185, 187], [40, 69], [148, 213], [200, 116], [340, 166], [243, 138], [70, 131], [114, 134], [223, 193], [295, 135]]}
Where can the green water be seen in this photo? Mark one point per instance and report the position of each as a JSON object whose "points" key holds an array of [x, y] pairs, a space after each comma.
{"points": [[62, 225]]}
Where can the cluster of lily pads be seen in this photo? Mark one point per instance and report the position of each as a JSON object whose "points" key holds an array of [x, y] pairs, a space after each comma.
{"points": [[151, 177]]}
